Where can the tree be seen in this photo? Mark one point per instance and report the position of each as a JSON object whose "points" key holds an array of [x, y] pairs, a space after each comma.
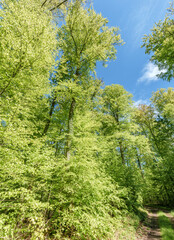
{"points": [[163, 101], [84, 39], [27, 56], [157, 125], [117, 103], [53, 5], [72, 160], [126, 150], [41, 124], [24, 46], [161, 44], [28, 43]]}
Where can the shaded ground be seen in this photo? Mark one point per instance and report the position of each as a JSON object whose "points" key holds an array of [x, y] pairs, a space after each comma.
{"points": [[154, 232], [150, 229]]}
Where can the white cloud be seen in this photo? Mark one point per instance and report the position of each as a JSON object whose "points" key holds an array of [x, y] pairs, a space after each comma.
{"points": [[150, 73], [141, 101]]}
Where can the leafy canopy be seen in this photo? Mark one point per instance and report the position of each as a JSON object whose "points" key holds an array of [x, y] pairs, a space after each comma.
{"points": [[161, 44]]}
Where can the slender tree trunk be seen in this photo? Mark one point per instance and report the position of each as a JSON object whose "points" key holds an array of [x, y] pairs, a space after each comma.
{"points": [[70, 129], [120, 142], [122, 153], [155, 141], [139, 165], [53, 103], [167, 194]]}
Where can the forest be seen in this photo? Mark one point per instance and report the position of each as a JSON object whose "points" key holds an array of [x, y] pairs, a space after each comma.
{"points": [[78, 158]]}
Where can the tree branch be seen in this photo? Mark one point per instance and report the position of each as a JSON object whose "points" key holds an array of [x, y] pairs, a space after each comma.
{"points": [[53, 103], [58, 5], [44, 3], [13, 76]]}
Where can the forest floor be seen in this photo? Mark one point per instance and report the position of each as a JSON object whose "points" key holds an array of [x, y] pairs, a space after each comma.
{"points": [[150, 230]]}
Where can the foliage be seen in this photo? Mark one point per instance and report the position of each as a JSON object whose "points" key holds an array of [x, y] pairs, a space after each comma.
{"points": [[157, 125], [77, 160], [160, 43], [127, 150], [165, 226]]}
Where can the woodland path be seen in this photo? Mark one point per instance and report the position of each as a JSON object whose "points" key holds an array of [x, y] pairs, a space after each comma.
{"points": [[150, 230]]}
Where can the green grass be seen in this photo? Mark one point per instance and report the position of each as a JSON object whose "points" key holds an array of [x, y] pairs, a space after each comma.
{"points": [[165, 227], [127, 229], [129, 225], [172, 213]]}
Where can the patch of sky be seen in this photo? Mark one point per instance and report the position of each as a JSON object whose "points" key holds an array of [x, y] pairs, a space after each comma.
{"points": [[3, 123], [132, 68]]}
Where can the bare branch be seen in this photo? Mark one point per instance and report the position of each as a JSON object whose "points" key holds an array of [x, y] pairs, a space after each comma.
{"points": [[58, 5], [44, 3]]}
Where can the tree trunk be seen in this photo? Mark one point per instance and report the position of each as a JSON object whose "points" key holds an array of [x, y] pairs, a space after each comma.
{"points": [[120, 142], [70, 129], [122, 153], [155, 141], [53, 103], [139, 165]]}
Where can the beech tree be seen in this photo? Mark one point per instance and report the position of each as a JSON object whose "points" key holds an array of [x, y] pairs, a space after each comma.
{"points": [[42, 189], [26, 58], [161, 44], [157, 126], [77, 159], [127, 149], [28, 42], [84, 39]]}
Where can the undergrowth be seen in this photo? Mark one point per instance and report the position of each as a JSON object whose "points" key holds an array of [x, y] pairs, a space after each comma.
{"points": [[165, 227]]}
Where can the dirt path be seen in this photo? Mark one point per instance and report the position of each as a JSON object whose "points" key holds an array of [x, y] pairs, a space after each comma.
{"points": [[150, 230], [154, 232]]}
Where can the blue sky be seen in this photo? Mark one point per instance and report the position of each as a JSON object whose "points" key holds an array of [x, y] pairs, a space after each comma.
{"points": [[132, 68]]}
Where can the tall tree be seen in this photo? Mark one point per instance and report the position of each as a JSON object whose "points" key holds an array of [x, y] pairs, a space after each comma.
{"points": [[84, 39], [28, 43], [27, 56], [157, 125], [54, 111], [161, 44], [127, 150]]}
